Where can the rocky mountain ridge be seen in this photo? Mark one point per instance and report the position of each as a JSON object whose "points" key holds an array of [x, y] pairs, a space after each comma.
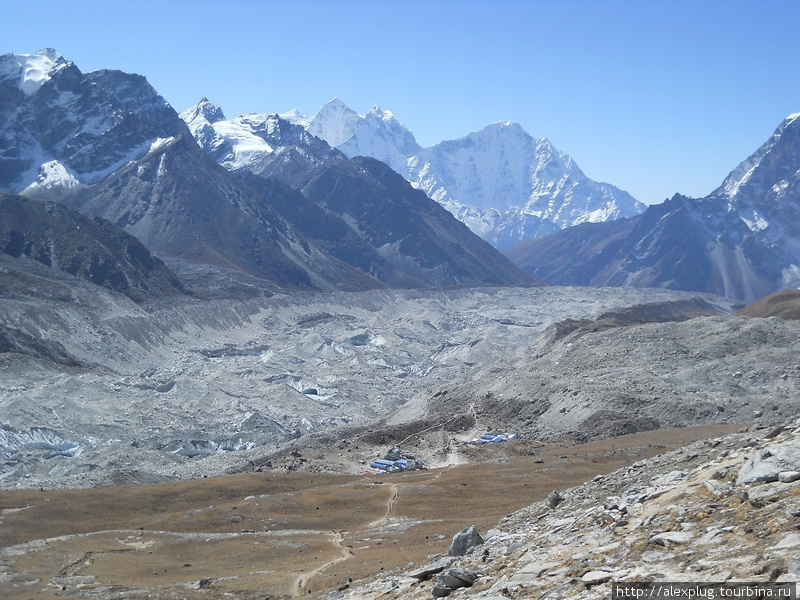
{"points": [[504, 184], [91, 249], [741, 241], [106, 144], [357, 209]]}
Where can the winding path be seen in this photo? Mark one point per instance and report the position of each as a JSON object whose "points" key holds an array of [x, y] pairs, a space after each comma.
{"points": [[395, 492], [300, 584]]}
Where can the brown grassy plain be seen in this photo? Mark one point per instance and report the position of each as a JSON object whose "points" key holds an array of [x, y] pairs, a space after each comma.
{"points": [[271, 535]]}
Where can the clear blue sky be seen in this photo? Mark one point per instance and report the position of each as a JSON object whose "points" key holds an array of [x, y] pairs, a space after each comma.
{"points": [[656, 97]]}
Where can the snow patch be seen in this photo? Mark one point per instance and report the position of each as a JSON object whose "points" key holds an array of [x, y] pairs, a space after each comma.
{"points": [[779, 187], [756, 222], [790, 276], [54, 174], [134, 154], [33, 70], [159, 143], [732, 186]]}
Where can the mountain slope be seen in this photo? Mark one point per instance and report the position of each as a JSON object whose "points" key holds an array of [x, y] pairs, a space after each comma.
{"points": [[410, 231], [90, 249], [59, 127], [742, 241], [518, 186], [181, 204]]}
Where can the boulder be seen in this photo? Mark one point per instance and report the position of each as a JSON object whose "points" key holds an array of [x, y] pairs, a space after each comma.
{"points": [[554, 498], [466, 576], [445, 580], [671, 537], [595, 577], [464, 540], [453, 580], [766, 465], [428, 571]]}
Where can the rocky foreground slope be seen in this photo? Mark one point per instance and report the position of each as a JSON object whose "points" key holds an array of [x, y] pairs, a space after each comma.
{"points": [[721, 510]]}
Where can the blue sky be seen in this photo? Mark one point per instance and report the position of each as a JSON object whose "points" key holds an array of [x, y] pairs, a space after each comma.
{"points": [[655, 97]]}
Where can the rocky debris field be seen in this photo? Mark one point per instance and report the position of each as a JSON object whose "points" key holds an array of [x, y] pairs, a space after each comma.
{"points": [[97, 390], [721, 510], [594, 380]]}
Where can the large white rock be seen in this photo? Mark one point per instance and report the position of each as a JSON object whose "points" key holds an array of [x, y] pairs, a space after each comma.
{"points": [[769, 463]]}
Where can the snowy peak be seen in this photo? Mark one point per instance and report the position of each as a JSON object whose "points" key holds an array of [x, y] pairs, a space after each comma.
{"points": [[497, 180], [203, 111], [335, 122], [502, 182], [70, 128], [383, 137], [377, 113], [248, 142], [295, 117], [771, 172], [31, 71]]}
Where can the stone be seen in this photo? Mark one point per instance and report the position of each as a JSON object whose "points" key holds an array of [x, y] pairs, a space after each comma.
{"points": [[671, 537], [595, 577], [762, 495], [775, 432], [441, 592], [445, 580], [712, 536], [554, 498], [766, 465], [794, 567], [428, 571], [466, 576], [650, 556], [532, 571], [790, 541], [464, 540], [514, 547], [788, 476]]}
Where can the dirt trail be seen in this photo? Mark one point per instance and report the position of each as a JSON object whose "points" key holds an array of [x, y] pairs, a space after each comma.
{"points": [[394, 493], [301, 583]]}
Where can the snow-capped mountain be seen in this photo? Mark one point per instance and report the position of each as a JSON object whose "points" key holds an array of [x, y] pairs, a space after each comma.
{"points": [[334, 122], [249, 142], [107, 144], [515, 186], [383, 137], [506, 185], [374, 219], [62, 128], [741, 241]]}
